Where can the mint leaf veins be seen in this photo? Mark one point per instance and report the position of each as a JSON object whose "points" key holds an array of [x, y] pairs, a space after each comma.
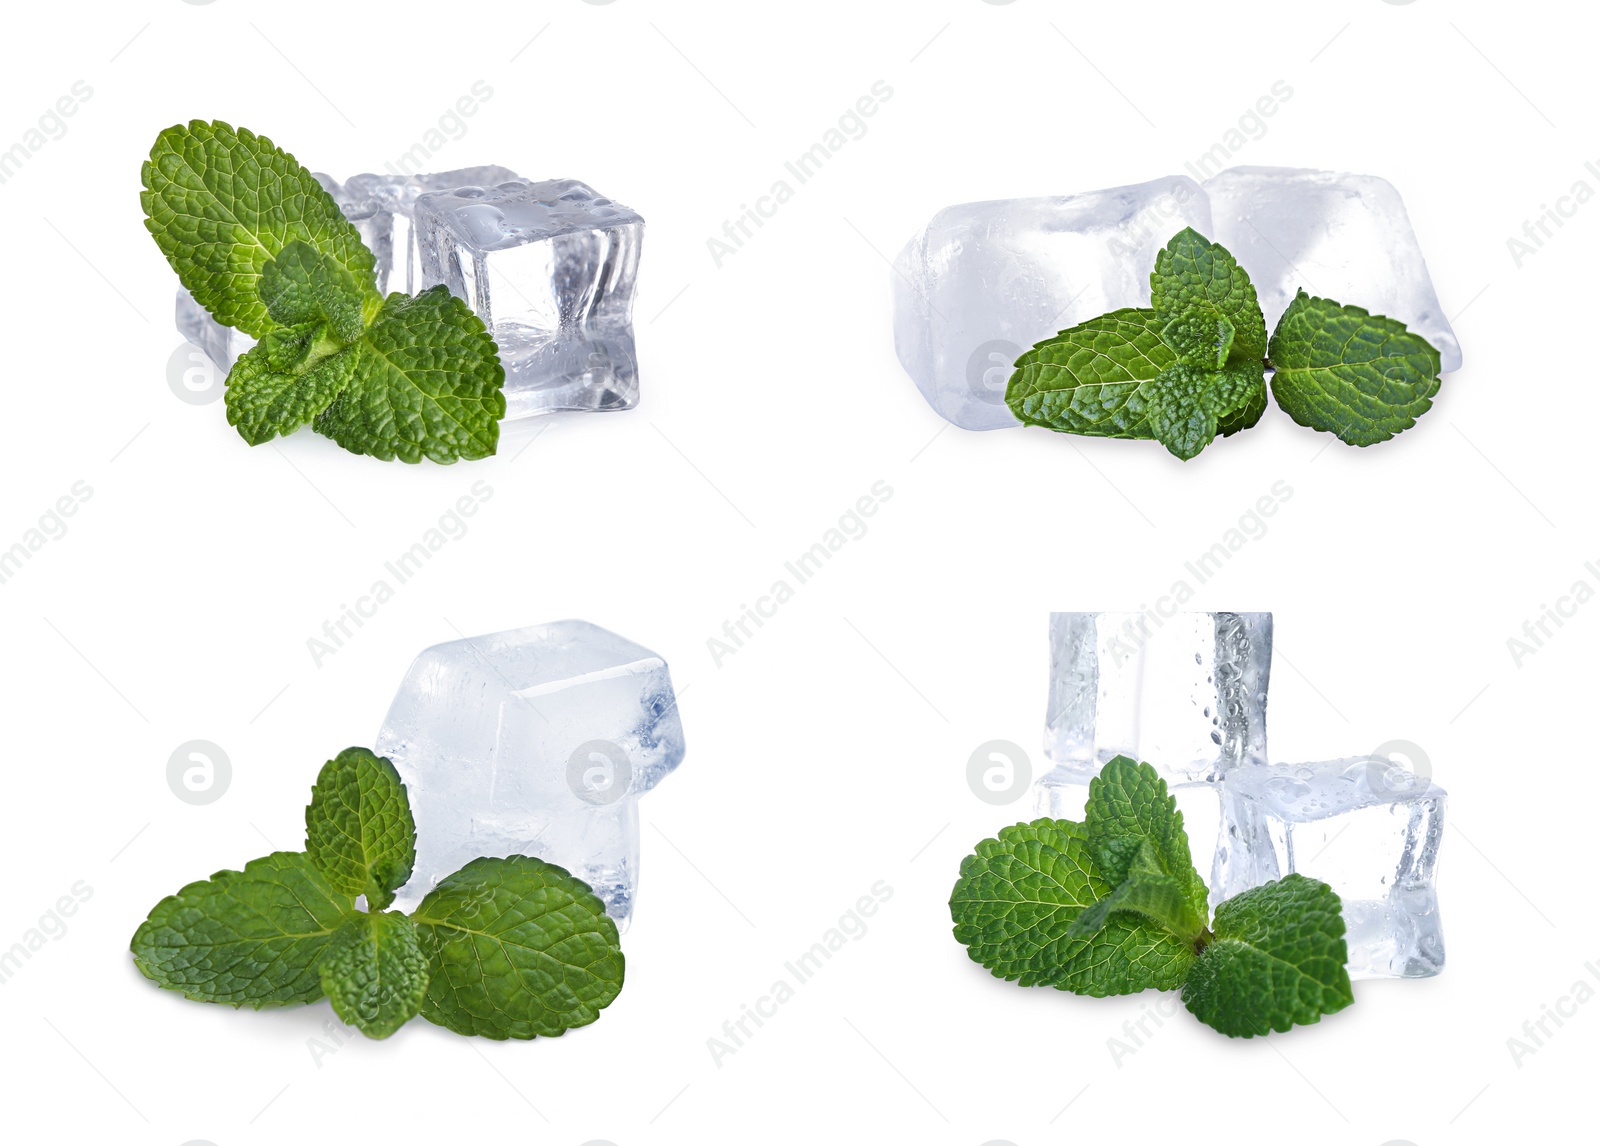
{"points": [[1191, 367], [1114, 905], [263, 247], [504, 948]]}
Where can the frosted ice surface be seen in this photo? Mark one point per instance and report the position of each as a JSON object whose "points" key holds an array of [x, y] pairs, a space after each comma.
{"points": [[551, 268], [982, 282], [1340, 236], [537, 741], [1365, 826], [222, 344], [1185, 694]]}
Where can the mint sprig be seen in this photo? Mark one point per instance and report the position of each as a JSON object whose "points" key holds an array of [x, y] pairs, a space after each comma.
{"points": [[1192, 366], [505, 948], [264, 248], [1114, 905]]}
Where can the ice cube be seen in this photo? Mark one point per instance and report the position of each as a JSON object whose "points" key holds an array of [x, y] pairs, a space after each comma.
{"points": [[1186, 694], [983, 282], [222, 344], [550, 267], [537, 741], [1365, 826], [1059, 796], [391, 233], [1340, 236]]}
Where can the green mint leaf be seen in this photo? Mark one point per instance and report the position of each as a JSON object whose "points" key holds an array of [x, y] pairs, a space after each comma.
{"points": [[251, 937], [1359, 376], [359, 830], [1090, 379], [1192, 273], [1186, 405], [264, 401], [1250, 409], [302, 285], [222, 204], [1017, 899], [516, 948], [1129, 801], [426, 384], [374, 972], [288, 349], [1159, 898], [1277, 959], [1200, 336]]}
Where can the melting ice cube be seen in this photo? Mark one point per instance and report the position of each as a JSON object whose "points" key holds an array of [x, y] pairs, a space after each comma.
{"points": [[550, 267], [1365, 826], [982, 282], [388, 228], [537, 741], [1185, 694]]}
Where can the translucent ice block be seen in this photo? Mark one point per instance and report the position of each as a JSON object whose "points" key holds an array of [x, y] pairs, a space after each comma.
{"points": [[982, 282], [1340, 236], [1060, 797], [1186, 694], [1365, 826], [390, 233], [537, 741], [550, 267]]}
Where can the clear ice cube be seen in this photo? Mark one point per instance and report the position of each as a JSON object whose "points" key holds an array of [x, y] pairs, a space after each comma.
{"points": [[1340, 236], [537, 741], [1365, 826], [550, 267], [982, 282], [1186, 694], [390, 233]]}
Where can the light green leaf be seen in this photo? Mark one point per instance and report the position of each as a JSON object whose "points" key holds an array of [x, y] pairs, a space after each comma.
{"points": [[1159, 898], [222, 204], [359, 830], [1359, 376], [1129, 801], [1090, 379], [265, 400], [516, 948], [1277, 959], [427, 383], [1200, 336], [1192, 273], [246, 938], [1015, 904], [302, 285], [375, 973]]}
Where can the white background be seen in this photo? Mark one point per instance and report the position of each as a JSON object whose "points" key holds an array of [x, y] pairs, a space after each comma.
{"points": [[830, 752]]}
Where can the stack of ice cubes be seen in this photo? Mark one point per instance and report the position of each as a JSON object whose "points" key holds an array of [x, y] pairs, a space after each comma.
{"points": [[537, 741], [982, 282], [1187, 694], [549, 266]]}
